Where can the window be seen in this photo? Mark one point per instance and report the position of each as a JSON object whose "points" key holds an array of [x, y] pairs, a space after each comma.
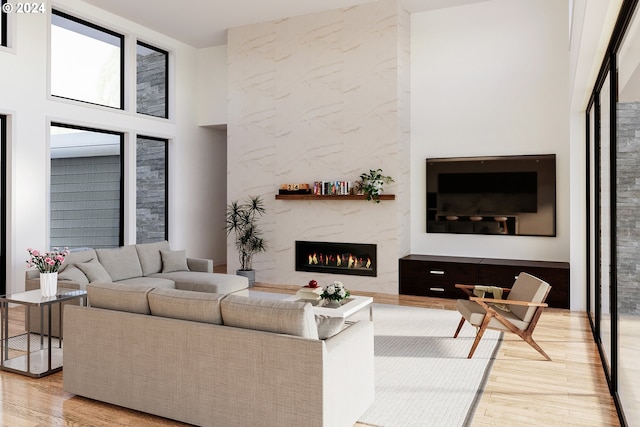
{"points": [[3, 25], [86, 195], [152, 73], [151, 189], [87, 62], [3, 203]]}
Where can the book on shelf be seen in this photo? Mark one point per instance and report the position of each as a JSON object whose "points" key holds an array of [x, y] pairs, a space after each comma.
{"points": [[309, 293]]}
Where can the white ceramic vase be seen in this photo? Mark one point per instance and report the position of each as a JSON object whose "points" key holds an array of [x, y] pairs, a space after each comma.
{"points": [[49, 284]]}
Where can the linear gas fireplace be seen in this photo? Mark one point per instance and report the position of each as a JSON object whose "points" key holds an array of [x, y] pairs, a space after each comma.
{"points": [[337, 258]]}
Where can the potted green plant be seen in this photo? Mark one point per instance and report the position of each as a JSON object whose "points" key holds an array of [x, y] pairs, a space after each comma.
{"points": [[242, 218], [371, 184]]}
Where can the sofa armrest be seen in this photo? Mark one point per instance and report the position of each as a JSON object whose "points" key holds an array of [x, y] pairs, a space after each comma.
{"points": [[200, 264]]}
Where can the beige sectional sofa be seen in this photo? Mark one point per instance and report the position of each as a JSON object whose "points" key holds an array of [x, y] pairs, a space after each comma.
{"points": [[217, 360], [152, 264]]}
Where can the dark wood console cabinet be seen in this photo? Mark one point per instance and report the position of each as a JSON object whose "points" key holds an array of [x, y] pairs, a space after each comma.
{"points": [[436, 276]]}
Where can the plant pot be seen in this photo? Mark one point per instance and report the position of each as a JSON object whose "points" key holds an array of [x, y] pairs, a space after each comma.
{"points": [[249, 274], [334, 303], [49, 284]]}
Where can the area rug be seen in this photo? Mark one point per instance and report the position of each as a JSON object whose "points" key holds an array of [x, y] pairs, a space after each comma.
{"points": [[422, 374]]}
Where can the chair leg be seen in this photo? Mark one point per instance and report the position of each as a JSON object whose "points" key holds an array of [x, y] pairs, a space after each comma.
{"points": [[483, 326], [535, 345], [459, 327]]}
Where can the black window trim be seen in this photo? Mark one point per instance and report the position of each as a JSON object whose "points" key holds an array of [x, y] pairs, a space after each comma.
{"points": [[166, 80], [3, 23], [3, 203], [122, 57], [166, 178], [122, 171]]}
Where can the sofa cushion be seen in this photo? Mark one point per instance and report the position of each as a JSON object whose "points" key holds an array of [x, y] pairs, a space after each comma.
{"points": [[94, 271], [74, 274], [155, 282], [328, 326], [186, 305], [198, 281], [149, 255], [174, 261], [121, 297], [283, 317], [121, 263]]}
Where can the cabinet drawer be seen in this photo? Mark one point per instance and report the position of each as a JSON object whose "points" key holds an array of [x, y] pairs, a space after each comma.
{"points": [[435, 279]]}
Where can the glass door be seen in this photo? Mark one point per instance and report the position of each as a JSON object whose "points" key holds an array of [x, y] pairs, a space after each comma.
{"points": [[628, 223]]}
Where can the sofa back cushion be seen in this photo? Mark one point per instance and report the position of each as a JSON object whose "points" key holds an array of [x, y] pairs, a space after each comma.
{"points": [[121, 297], [186, 305], [121, 263], [149, 254], [283, 317]]}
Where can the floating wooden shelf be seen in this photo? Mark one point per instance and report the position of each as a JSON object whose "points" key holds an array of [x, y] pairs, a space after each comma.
{"points": [[345, 197]]}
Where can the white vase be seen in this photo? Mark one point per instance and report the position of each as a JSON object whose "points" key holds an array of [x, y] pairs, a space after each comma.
{"points": [[49, 284]]}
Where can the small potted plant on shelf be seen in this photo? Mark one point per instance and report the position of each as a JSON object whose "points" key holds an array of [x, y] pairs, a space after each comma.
{"points": [[371, 184], [242, 219]]}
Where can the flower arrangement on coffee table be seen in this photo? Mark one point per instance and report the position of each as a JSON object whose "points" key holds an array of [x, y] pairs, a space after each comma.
{"points": [[335, 291]]}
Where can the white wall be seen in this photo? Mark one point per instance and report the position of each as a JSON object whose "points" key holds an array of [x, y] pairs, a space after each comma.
{"points": [[195, 153], [490, 79]]}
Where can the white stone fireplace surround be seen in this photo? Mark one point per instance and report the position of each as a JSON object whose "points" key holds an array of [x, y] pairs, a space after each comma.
{"points": [[322, 97]]}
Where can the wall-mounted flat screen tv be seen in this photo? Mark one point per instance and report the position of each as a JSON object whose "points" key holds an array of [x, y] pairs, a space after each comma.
{"points": [[502, 195]]}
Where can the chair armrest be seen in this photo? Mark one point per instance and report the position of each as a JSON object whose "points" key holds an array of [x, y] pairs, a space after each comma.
{"points": [[508, 301], [200, 264]]}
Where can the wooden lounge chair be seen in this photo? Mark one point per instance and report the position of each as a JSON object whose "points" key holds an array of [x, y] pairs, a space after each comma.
{"points": [[524, 306]]}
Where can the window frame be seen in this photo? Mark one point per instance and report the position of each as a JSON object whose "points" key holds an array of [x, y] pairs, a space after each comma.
{"points": [[122, 172], [122, 58], [3, 25], [166, 80], [3, 203], [166, 181]]}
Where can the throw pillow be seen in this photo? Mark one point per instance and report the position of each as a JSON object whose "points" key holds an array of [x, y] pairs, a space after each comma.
{"points": [[94, 271], [328, 326], [74, 274], [174, 261]]}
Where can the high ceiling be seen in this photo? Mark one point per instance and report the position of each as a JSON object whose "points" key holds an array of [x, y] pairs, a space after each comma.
{"points": [[203, 23]]}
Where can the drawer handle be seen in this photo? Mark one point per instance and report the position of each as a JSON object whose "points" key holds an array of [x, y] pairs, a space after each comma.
{"points": [[437, 289], [439, 272]]}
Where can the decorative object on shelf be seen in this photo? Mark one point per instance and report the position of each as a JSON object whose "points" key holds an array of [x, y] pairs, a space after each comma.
{"points": [[334, 293], [372, 182], [47, 263], [311, 292], [294, 189], [242, 219]]}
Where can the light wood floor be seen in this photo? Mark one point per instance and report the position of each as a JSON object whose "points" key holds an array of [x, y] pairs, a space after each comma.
{"points": [[523, 389]]}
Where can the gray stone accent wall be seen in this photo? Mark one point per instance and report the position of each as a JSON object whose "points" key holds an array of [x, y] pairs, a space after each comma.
{"points": [[151, 87], [628, 207], [151, 200]]}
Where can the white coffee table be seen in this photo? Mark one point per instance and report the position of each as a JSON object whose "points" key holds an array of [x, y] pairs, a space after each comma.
{"points": [[350, 306]]}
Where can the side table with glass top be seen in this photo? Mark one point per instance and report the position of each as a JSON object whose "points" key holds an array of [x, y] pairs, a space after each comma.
{"points": [[45, 359]]}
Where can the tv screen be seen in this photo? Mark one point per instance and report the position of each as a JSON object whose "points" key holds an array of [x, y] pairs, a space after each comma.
{"points": [[507, 195]]}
